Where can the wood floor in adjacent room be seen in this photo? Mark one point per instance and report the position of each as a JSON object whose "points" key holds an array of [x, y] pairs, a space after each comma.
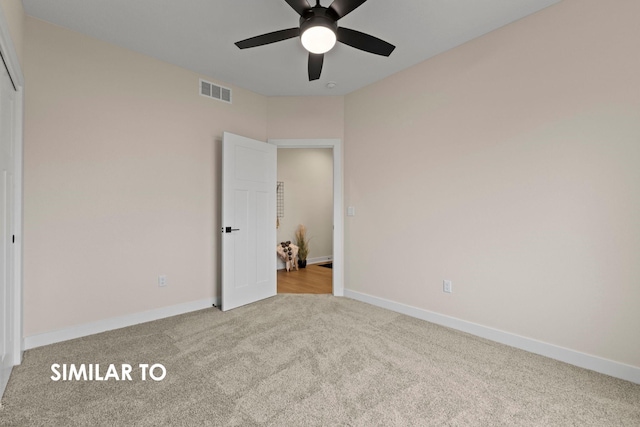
{"points": [[310, 280]]}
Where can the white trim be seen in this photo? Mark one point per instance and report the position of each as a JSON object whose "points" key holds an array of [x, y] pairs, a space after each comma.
{"points": [[18, 153], [573, 357], [92, 328], [319, 260], [314, 260], [338, 190]]}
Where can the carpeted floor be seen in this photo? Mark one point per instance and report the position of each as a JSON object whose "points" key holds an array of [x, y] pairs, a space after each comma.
{"points": [[305, 360]]}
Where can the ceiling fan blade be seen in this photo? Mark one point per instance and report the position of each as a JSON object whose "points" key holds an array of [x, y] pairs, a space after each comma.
{"points": [[268, 38], [343, 7], [364, 42], [315, 65], [299, 6]]}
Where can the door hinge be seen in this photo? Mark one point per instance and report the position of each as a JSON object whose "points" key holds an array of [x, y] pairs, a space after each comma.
{"points": [[13, 238]]}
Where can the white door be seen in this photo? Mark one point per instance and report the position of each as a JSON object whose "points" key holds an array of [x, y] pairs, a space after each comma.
{"points": [[7, 97], [248, 221]]}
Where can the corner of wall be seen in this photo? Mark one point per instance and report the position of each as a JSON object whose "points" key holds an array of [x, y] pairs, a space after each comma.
{"points": [[14, 16]]}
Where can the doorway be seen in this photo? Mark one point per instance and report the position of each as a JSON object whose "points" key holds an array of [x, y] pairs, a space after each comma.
{"points": [[305, 199], [317, 277]]}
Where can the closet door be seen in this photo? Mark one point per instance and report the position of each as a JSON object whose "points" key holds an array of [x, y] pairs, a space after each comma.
{"points": [[7, 297]]}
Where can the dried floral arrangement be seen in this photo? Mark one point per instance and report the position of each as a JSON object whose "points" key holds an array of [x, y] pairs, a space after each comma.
{"points": [[302, 242]]}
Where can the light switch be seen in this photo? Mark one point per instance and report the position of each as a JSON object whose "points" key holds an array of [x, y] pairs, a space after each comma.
{"points": [[351, 211]]}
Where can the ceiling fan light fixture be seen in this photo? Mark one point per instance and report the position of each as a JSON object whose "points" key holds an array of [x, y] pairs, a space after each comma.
{"points": [[318, 31], [318, 39]]}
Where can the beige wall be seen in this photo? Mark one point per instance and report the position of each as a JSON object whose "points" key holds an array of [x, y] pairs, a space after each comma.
{"points": [[308, 196], [121, 179], [305, 117], [14, 14], [509, 165]]}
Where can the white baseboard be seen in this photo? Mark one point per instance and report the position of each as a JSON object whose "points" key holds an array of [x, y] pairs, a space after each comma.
{"points": [[86, 329], [573, 357], [319, 259], [315, 260]]}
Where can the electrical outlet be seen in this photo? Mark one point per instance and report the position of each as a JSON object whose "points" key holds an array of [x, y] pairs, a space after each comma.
{"points": [[162, 280], [447, 286]]}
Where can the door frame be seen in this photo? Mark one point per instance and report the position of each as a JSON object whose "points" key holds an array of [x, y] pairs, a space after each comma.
{"points": [[12, 63], [338, 209]]}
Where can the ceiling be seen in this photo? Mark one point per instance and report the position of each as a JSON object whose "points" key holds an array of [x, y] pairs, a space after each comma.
{"points": [[199, 35]]}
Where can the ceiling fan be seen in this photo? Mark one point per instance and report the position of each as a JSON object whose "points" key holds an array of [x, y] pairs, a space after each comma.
{"points": [[319, 32]]}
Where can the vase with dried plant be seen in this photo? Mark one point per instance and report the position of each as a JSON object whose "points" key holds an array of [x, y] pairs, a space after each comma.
{"points": [[302, 241]]}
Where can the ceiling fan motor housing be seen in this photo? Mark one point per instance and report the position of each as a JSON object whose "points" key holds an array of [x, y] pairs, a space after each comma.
{"points": [[318, 16]]}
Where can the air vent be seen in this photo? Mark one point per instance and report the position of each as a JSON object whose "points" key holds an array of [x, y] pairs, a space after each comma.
{"points": [[214, 91]]}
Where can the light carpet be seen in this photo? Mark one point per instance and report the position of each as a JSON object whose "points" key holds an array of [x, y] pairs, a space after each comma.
{"points": [[311, 360]]}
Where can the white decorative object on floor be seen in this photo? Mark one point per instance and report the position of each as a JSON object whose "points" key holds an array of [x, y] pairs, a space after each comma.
{"points": [[288, 252]]}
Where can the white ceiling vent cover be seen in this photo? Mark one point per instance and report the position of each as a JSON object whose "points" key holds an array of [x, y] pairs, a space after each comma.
{"points": [[214, 91]]}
